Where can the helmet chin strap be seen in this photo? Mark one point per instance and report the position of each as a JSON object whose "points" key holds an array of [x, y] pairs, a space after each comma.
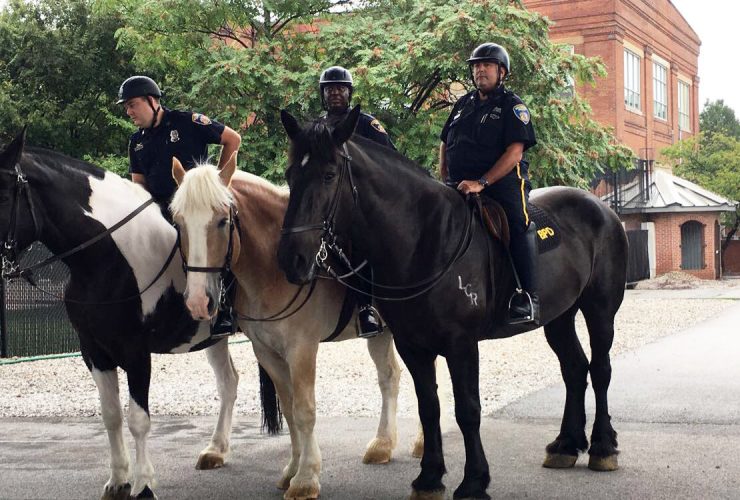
{"points": [[156, 111]]}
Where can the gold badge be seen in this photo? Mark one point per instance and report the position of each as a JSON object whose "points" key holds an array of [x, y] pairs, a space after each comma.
{"points": [[377, 126], [201, 119]]}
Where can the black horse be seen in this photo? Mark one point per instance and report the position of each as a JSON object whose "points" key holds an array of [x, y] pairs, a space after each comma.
{"points": [[124, 297], [446, 282]]}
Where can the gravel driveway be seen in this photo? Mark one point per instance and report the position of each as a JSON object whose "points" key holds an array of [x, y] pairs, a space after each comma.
{"points": [[346, 382]]}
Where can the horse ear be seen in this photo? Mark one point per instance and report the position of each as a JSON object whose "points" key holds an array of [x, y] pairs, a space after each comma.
{"points": [[12, 154], [178, 171], [228, 170], [344, 129], [292, 128]]}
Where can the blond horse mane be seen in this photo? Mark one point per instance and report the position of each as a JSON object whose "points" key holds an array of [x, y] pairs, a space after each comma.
{"points": [[201, 189]]}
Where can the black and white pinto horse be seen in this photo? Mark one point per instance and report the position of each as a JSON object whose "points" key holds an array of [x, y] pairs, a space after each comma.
{"points": [[122, 308], [426, 247], [284, 322]]}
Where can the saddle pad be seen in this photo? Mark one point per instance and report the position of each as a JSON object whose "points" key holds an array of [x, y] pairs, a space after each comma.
{"points": [[548, 234]]}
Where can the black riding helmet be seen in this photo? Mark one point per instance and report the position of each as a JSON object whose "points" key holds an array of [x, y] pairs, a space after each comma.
{"points": [[138, 86], [333, 76], [491, 52]]}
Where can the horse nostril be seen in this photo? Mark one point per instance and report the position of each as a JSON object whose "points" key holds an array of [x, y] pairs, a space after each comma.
{"points": [[211, 305]]}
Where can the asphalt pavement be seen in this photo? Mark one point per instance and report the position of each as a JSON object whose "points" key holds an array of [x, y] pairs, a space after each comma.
{"points": [[675, 404]]}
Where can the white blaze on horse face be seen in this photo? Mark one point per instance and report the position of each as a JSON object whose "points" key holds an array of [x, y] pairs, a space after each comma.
{"points": [[200, 285], [305, 160], [145, 241]]}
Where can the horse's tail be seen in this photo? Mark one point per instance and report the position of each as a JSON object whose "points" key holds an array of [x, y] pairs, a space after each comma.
{"points": [[272, 417]]}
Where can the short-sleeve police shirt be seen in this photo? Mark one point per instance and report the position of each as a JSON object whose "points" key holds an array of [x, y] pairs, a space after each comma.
{"points": [[478, 132], [180, 134]]}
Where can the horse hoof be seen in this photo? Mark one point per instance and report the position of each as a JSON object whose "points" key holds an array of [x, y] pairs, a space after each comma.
{"points": [[603, 464], [559, 461], [120, 492], [146, 493], [210, 461], [378, 452], [283, 483], [427, 495], [305, 492]]}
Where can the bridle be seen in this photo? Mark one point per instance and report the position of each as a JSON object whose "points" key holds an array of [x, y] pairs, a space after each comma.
{"points": [[328, 243], [328, 238], [10, 267], [226, 266], [225, 271]]}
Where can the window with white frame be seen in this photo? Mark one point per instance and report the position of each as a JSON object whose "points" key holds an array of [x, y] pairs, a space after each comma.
{"points": [[660, 91], [570, 84], [684, 116], [631, 80]]}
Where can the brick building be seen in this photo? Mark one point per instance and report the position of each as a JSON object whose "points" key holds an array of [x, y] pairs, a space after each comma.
{"points": [[651, 93], [650, 98]]}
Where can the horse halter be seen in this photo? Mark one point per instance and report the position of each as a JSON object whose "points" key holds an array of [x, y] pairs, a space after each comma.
{"points": [[226, 267], [9, 251], [328, 238]]}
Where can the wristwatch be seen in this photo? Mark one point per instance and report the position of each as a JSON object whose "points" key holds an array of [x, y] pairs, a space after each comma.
{"points": [[483, 182]]}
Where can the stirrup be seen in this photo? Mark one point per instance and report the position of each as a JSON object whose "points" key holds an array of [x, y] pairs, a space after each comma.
{"points": [[534, 313], [224, 325], [378, 326]]}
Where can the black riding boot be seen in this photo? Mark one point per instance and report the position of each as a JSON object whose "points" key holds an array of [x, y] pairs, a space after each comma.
{"points": [[226, 322], [368, 319], [524, 305]]}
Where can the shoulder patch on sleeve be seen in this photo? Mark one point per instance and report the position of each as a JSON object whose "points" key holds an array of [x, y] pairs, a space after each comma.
{"points": [[521, 112], [377, 126], [201, 119]]}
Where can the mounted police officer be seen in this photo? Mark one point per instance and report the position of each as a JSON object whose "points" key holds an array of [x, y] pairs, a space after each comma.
{"points": [[163, 134], [336, 86], [482, 151]]}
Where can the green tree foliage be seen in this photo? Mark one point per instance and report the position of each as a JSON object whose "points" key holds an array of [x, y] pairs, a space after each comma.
{"points": [[59, 73], [243, 60], [717, 118], [712, 162]]}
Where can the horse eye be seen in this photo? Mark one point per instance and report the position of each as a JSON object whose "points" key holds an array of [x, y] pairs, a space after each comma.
{"points": [[222, 223], [328, 176]]}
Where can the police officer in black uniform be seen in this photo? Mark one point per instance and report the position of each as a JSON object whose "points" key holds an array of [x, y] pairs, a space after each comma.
{"points": [[163, 134], [482, 151], [335, 85]]}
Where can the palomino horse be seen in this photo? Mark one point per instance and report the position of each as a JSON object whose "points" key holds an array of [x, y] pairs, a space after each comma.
{"points": [[204, 207], [446, 283], [124, 296]]}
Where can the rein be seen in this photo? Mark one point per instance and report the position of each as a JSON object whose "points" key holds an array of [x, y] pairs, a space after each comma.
{"points": [[11, 268], [328, 243]]}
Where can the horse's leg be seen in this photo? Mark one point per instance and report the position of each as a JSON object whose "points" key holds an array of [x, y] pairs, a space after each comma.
{"points": [[380, 448], [562, 338], [227, 379], [302, 360], [428, 483], [139, 423], [464, 371], [279, 373], [603, 452], [444, 393], [117, 487]]}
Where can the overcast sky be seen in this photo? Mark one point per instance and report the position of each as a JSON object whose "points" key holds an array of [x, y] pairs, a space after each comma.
{"points": [[717, 23]]}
